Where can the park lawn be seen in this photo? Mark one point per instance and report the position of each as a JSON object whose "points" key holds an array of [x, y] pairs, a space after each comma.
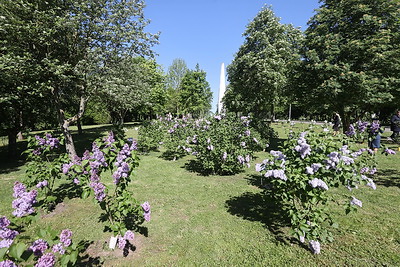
{"points": [[225, 220]]}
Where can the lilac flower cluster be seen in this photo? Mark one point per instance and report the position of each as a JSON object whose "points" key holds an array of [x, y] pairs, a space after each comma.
{"points": [[302, 147], [123, 168], [6, 235], [368, 170], [46, 141], [362, 126], [129, 236], [147, 211], [313, 168], [356, 202], [42, 184], [351, 131], [109, 140], [245, 120], [374, 128], [65, 237], [99, 190], [389, 151], [47, 260], [370, 182], [315, 247], [318, 183], [280, 174], [39, 247], [7, 263], [23, 204]]}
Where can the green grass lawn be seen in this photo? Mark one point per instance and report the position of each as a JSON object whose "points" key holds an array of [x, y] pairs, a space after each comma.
{"points": [[225, 220]]}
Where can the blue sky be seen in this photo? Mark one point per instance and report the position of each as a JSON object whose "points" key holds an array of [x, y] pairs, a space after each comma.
{"points": [[209, 32]]}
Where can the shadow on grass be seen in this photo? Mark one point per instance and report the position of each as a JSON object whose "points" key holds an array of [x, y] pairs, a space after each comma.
{"points": [[194, 166], [388, 178], [86, 259], [261, 207]]}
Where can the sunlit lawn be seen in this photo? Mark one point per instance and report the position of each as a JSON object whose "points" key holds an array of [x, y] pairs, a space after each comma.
{"points": [[225, 221]]}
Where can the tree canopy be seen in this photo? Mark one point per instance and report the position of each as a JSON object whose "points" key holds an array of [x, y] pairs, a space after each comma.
{"points": [[351, 58], [260, 72]]}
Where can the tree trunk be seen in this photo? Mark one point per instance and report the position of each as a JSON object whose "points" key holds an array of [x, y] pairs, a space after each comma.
{"points": [[79, 124], [20, 136], [12, 143], [65, 123]]}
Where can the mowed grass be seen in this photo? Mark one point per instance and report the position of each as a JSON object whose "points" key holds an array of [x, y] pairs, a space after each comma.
{"points": [[225, 220]]}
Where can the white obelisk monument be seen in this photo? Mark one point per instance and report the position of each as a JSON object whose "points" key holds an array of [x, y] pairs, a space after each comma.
{"points": [[221, 87]]}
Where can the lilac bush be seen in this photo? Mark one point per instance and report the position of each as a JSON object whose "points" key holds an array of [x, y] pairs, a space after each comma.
{"points": [[302, 173], [44, 167], [121, 210], [225, 144]]}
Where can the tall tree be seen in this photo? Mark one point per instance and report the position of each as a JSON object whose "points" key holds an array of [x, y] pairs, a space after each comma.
{"points": [[76, 43], [175, 74], [195, 94], [260, 73], [352, 57]]}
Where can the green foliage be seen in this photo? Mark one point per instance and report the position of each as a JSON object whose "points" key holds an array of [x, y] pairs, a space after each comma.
{"points": [[195, 94], [351, 57], [151, 135], [225, 144], [260, 74], [121, 210], [303, 172], [44, 165]]}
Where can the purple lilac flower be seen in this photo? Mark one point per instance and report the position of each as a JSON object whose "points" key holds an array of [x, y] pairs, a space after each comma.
{"points": [[121, 242], [351, 131], [6, 243], [6, 233], [278, 155], [99, 190], [146, 206], [277, 174], [356, 202], [147, 216], [347, 160], [370, 182], [245, 120], [42, 184], [372, 171], [224, 156], [4, 222], [302, 147], [171, 130], [389, 151], [147, 211], [39, 247], [210, 147], [362, 126], [23, 205], [315, 247], [47, 260], [66, 167], [240, 158], [345, 150], [109, 140], [218, 117], [302, 238], [333, 160], [58, 248], [259, 167], [121, 172], [7, 263], [247, 132], [19, 189], [76, 181], [255, 140], [374, 128], [364, 170], [318, 183], [129, 235], [65, 237]]}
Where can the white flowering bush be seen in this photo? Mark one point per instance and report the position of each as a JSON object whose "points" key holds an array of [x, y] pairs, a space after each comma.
{"points": [[301, 174], [225, 144]]}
